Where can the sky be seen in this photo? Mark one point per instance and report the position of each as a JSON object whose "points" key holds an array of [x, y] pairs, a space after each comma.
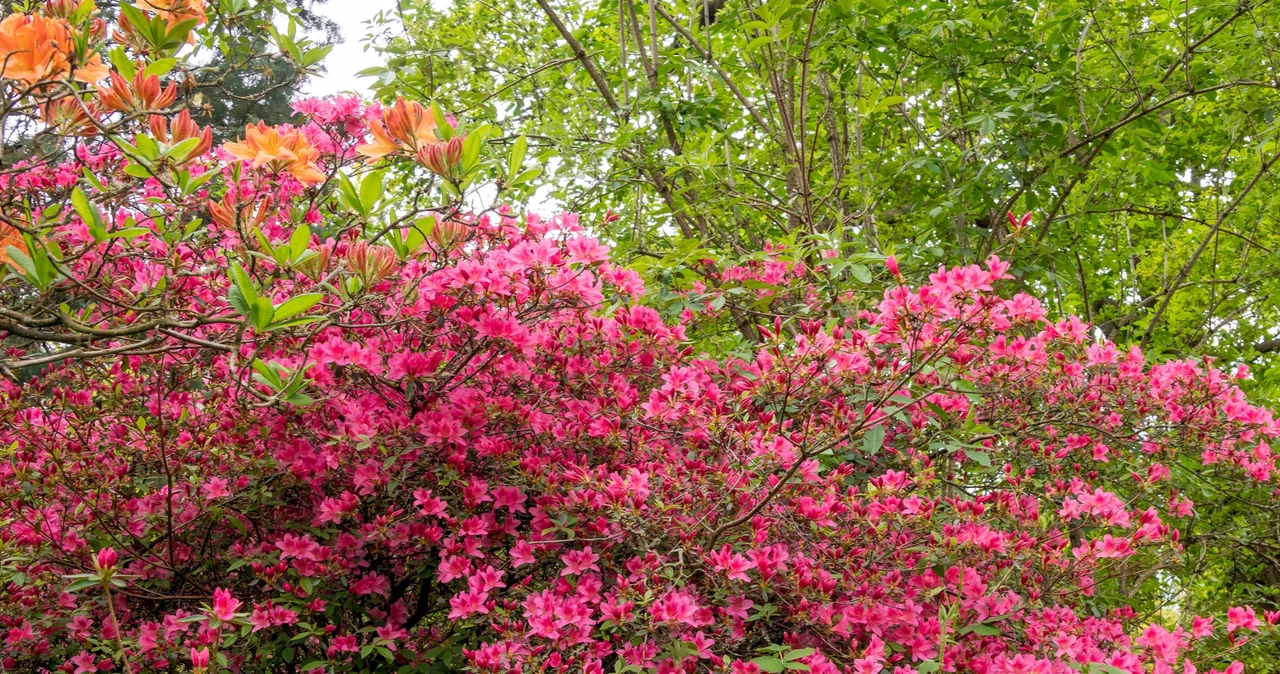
{"points": [[349, 57]]}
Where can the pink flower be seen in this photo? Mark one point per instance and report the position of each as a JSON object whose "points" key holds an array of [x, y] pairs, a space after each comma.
{"points": [[1201, 627], [80, 626], [1241, 617], [522, 553], [1017, 224], [510, 498], [215, 488], [224, 605], [579, 561], [372, 583], [85, 663], [466, 603], [428, 505]]}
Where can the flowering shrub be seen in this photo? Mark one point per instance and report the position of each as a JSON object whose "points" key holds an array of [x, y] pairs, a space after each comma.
{"points": [[262, 417]]}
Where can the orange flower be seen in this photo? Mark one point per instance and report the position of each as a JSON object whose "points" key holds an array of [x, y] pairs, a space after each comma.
{"points": [[144, 93], [61, 9], [280, 151], [10, 236], [35, 48], [71, 9], [408, 127]]}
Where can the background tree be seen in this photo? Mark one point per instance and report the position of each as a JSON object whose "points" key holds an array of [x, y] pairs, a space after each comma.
{"points": [[264, 86]]}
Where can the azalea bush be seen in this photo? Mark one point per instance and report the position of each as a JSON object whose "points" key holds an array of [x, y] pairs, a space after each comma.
{"points": [[318, 400]]}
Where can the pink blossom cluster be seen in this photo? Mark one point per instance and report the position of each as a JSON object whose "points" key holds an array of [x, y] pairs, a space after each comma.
{"points": [[505, 457]]}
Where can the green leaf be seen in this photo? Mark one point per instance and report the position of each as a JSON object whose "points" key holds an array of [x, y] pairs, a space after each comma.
{"points": [[768, 663], [526, 176], [24, 262], [299, 241], [371, 190], [160, 67], [799, 653], [964, 386], [138, 171], [244, 283], [88, 213], [471, 150], [861, 273], [889, 101], [979, 456], [122, 63], [261, 312], [293, 322], [518, 150], [176, 37], [82, 585], [128, 233], [442, 123], [182, 149], [237, 300], [313, 56], [147, 146], [300, 400], [97, 184], [296, 305], [269, 374], [418, 233], [873, 440]]}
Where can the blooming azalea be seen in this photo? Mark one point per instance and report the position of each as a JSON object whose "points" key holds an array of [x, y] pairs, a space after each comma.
{"points": [[35, 48], [280, 149], [407, 126]]}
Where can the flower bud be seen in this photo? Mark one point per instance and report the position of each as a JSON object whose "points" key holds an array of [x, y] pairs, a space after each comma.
{"points": [[105, 560], [199, 660], [62, 9], [315, 266], [448, 232], [370, 263], [441, 158]]}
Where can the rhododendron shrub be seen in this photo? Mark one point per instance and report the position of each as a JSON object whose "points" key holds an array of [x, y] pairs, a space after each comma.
{"points": [[493, 457], [260, 415]]}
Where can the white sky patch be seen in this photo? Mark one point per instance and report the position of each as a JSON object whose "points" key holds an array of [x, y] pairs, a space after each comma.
{"points": [[349, 57]]}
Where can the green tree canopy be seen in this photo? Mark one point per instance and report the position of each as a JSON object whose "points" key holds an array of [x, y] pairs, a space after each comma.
{"points": [[1140, 135]]}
